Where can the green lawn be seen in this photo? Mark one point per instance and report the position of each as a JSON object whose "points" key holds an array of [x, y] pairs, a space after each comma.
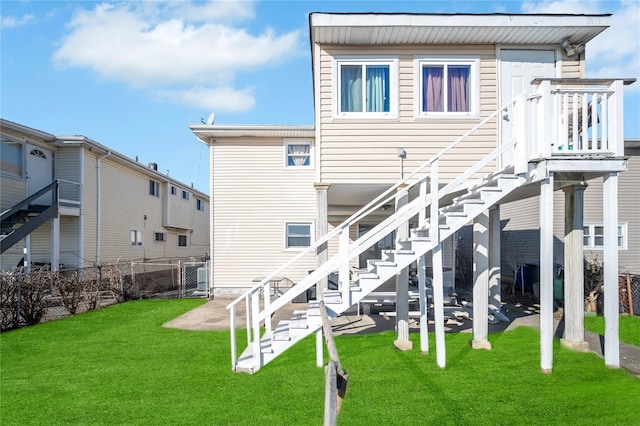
{"points": [[629, 328], [119, 366]]}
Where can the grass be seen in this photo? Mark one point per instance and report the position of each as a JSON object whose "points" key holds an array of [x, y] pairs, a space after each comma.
{"points": [[629, 328], [119, 366]]}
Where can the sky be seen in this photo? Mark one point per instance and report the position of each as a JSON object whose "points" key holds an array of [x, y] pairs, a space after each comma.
{"points": [[133, 75]]}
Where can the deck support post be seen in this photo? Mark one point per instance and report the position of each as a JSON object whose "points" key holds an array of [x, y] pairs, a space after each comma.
{"points": [[611, 301], [574, 268], [402, 341], [481, 282], [495, 286], [546, 274]]}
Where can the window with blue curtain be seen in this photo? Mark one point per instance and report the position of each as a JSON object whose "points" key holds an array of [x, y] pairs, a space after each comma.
{"points": [[373, 96]]}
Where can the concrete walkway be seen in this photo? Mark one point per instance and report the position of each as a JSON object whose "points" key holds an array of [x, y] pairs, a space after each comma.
{"points": [[213, 315]]}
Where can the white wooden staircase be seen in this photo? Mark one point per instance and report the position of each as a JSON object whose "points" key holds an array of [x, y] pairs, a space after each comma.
{"points": [[452, 217]]}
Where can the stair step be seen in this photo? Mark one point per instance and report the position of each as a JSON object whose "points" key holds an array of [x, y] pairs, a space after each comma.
{"points": [[266, 346], [332, 297], [456, 214], [313, 310], [298, 320], [281, 333]]}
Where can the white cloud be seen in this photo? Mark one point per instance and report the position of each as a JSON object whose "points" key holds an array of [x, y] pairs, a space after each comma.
{"points": [[12, 21], [615, 53], [157, 45], [219, 99]]}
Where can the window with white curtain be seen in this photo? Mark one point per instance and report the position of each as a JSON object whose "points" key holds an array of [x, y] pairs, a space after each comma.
{"points": [[297, 154], [366, 87], [11, 159], [136, 238], [447, 87]]}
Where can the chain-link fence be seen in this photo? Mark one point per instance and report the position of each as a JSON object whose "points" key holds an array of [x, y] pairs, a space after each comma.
{"points": [[43, 295], [629, 291]]}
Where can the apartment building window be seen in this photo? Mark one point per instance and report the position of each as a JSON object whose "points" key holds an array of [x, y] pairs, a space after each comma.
{"points": [[200, 204], [297, 154], [447, 87], [160, 236], [11, 161], [173, 190], [366, 87], [185, 195], [298, 235], [182, 240], [593, 236], [154, 188], [136, 237]]}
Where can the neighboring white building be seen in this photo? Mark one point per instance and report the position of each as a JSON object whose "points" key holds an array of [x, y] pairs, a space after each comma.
{"points": [[106, 207], [419, 119]]}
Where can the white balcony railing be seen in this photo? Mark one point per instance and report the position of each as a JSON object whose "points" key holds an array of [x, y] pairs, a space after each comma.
{"points": [[578, 117]]}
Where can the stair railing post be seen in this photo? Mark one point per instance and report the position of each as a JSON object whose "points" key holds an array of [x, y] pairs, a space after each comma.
{"points": [[343, 273], [267, 305], [255, 325], [247, 301], [544, 137], [232, 332], [521, 128], [437, 279], [616, 123]]}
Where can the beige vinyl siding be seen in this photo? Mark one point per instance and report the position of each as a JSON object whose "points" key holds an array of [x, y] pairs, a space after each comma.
{"points": [[125, 201], [41, 244], [178, 212], [628, 212], [67, 168], [573, 67], [361, 150], [255, 196], [13, 191], [89, 216], [70, 241]]}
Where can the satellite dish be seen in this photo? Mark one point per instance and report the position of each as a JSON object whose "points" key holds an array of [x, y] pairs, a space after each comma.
{"points": [[211, 118]]}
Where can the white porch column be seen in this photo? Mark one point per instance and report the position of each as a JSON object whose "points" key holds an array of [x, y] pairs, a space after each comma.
{"points": [[402, 281], [495, 285], [322, 228], [55, 243], [546, 274], [574, 268], [611, 302], [481, 282]]}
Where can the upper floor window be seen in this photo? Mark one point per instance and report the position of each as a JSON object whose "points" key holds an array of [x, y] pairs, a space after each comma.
{"points": [[447, 87], [298, 154], [11, 162], [185, 195], [173, 190], [366, 87], [593, 236], [154, 188], [136, 237], [200, 205], [159, 236], [298, 235]]}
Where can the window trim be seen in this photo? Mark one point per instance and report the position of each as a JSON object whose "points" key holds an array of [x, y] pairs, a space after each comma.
{"points": [[186, 239], [199, 204], [394, 86], [286, 144], [622, 232], [140, 241], [286, 234], [155, 192], [474, 91]]}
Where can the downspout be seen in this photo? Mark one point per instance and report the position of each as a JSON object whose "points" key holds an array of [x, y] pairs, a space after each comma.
{"points": [[98, 204]]}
